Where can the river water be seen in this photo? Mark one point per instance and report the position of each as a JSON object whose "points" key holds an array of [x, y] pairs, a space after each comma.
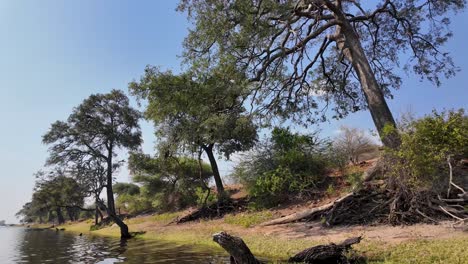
{"points": [[22, 245]]}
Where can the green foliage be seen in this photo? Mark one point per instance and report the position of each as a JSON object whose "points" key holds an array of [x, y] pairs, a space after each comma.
{"points": [[88, 141], [121, 188], [248, 219], [286, 49], [197, 113], [354, 179], [330, 190], [55, 196], [167, 182], [286, 164], [165, 218], [203, 196], [133, 204], [427, 143]]}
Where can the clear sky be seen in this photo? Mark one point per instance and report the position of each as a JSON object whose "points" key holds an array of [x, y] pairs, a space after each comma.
{"points": [[55, 53]]}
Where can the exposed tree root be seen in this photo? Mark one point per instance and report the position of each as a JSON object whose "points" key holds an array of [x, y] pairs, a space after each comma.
{"points": [[396, 205]]}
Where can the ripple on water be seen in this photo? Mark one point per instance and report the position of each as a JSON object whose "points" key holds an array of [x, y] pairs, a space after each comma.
{"points": [[19, 245]]}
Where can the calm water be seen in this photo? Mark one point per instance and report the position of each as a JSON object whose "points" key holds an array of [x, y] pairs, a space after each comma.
{"points": [[21, 245]]}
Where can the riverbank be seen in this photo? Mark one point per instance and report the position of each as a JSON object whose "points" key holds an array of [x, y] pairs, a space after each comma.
{"points": [[381, 244]]}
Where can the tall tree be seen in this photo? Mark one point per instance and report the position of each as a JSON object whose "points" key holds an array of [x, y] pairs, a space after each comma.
{"points": [[204, 112], [286, 48], [96, 129]]}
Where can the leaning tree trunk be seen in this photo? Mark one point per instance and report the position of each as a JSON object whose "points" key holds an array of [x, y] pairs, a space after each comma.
{"points": [[348, 42], [124, 233], [214, 167]]}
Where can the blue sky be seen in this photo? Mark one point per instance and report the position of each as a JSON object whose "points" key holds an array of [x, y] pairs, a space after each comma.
{"points": [[55, 53]]}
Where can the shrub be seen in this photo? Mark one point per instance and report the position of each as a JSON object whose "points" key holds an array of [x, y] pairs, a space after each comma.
{"points": [[133, 204], [201, 194], [427, 143], [286, 164]]}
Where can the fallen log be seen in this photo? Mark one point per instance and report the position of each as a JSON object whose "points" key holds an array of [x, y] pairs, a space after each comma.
{"points": [[306, 213], [235, 246], [332, 253], [327, 254]]}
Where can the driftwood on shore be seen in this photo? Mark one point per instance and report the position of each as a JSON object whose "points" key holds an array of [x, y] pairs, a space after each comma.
{"points": [[332, 253], [236, 247], [326, 254], [306, 213]]}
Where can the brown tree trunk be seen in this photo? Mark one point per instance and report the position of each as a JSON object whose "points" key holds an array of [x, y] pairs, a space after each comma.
{"points": [[214, 167], [124, 233], [110, 192], [60, 218], [348, 42], [70, 214]]}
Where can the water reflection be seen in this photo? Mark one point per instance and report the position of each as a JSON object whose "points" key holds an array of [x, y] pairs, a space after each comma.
{"points": [[18, 245]]}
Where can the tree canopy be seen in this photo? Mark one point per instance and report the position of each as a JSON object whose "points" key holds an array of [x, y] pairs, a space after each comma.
{"points": [[88, 141], [192, 113], [344, 51]]}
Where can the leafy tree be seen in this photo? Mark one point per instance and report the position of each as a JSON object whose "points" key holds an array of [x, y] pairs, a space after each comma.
{"points": [[32, 211], [126, 188], [96, 129], [53, 193], [60, 192], [353, 142], [346, 51], [170, 181], [197, 113]]}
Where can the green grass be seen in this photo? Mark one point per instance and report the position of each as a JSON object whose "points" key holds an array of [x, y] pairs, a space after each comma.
{"points": [[248, 219], [453, 251], [165, 218], [449, 251]]}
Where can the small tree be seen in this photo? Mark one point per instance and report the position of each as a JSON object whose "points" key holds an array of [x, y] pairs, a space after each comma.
{"points": [[95, 130], [170, 181], [353, 142], [204, 113]]}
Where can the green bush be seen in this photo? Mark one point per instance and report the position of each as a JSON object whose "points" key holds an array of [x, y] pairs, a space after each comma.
{"points": [[287, 164], [201, 194], [427, 143], [133, 204]]}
